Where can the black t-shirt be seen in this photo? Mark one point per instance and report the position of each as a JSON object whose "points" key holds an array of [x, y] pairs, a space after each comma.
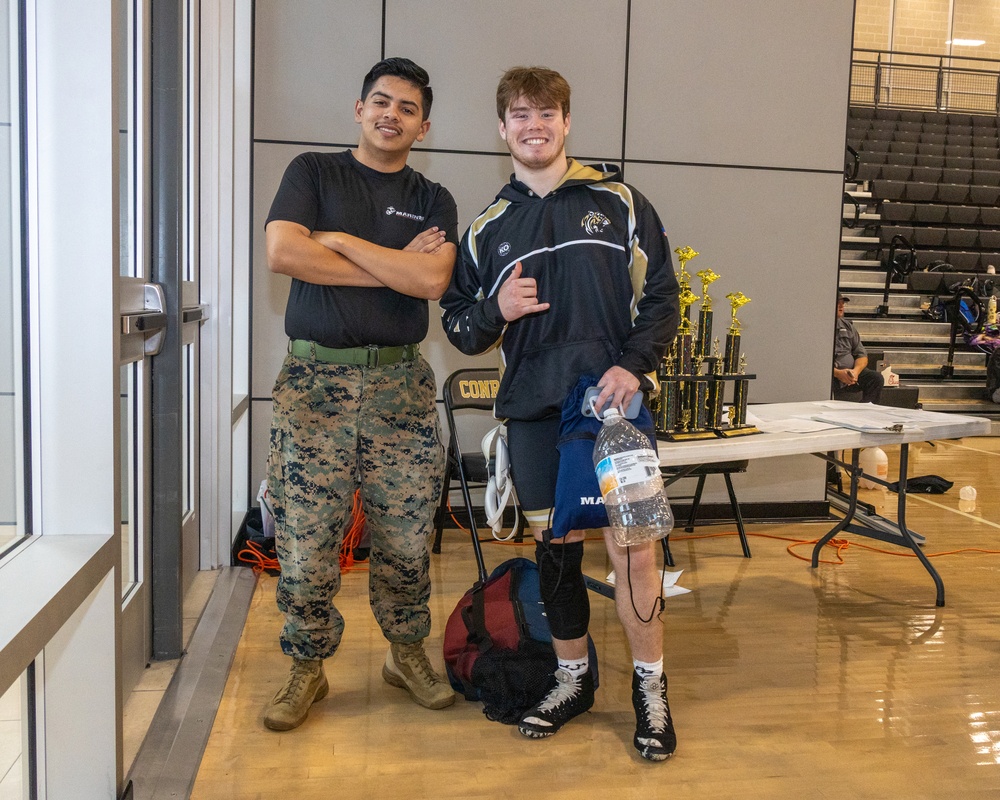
{"points": [[333, 192]]}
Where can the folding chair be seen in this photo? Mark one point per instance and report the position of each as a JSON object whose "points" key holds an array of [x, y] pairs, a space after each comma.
{"points": [[467, 390]]}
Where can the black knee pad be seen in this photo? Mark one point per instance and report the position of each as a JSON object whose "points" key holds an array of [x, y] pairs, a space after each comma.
{"points": [[564, 592]]}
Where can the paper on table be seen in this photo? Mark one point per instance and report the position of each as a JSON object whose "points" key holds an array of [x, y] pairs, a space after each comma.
{"points": [[870, 420], [793, 425], [788, 425], [670, 587]]}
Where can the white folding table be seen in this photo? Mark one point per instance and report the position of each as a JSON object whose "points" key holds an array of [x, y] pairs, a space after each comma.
{"points": [[923, 426]]}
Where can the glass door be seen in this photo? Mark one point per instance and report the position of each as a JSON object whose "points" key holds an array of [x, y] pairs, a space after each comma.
{"points": [[143, 324]]}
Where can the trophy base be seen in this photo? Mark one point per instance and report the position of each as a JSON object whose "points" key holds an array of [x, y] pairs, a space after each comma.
{"points": [[746, 430], [686, 436]]}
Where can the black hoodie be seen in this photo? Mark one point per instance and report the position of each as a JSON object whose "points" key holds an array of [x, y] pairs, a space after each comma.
{"points": [[601, 259]]}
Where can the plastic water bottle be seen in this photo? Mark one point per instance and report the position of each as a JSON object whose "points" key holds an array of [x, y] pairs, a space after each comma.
{"points": [[628, 472]]}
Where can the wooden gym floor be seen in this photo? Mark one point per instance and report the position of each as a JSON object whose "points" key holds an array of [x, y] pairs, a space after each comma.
{"points": [[785, 682]]}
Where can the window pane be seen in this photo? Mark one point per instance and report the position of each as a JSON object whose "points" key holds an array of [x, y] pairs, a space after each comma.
{"points": [[13, 742], [975, 21], [126, 143], [129, 445], [11, 397]]}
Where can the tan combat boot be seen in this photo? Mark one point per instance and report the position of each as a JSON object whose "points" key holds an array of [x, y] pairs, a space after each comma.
{"points": [[305, 685], [407, 667]]}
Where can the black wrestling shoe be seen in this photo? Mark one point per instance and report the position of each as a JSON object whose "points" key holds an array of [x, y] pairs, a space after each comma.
{"points": [[569, 698], [654, 729]]}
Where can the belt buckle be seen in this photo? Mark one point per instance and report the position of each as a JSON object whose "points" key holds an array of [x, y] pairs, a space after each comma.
{"points": [[373, 351]]}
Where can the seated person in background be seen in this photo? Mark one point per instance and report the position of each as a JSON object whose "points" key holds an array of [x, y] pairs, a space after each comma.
{"points": [[851, 374], [993, 375]]}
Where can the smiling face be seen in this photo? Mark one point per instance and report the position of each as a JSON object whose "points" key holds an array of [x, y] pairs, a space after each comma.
{"points": [[391, 119], [536, 137]]}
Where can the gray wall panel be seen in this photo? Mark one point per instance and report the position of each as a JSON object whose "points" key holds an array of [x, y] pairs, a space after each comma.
{"points": [[705, 87], [740, 83], [466, 47], [309, 59], [775, 237], [473, 180]]}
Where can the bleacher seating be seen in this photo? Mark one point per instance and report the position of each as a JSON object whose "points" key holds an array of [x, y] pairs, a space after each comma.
{"points": [[879, 157], [930, 181], [985, 217], [914, 158]]}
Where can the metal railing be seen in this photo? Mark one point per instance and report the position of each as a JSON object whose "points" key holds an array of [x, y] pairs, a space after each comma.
{"points": [[916, 80]]}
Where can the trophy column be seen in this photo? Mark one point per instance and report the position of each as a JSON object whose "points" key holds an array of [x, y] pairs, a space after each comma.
{"points": [[707, 277], [732, 359], [716, 389], [735, 366], [691, 396]]}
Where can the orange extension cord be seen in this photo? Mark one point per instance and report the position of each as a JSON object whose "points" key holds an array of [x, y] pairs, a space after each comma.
{"points": [[259, 561], [352, 536], [253, 555]]}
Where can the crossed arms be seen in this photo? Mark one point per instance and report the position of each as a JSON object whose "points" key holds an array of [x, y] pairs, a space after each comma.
{"points": [[331, 258]]}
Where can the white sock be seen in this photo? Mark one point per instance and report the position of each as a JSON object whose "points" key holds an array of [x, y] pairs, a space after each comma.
{"points": [[648, 669], [575, 666]]}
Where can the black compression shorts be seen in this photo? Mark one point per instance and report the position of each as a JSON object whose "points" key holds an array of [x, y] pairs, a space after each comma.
{"points": [[534, 466]]}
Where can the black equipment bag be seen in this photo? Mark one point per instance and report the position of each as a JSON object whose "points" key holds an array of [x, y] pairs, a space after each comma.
{"points": [[498, 646]]}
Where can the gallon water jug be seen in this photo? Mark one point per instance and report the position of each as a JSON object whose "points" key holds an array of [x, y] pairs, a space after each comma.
{"points": [[873, 461], [628, 472]]}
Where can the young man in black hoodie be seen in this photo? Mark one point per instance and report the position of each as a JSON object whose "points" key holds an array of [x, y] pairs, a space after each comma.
{"points": [[568, 272]]}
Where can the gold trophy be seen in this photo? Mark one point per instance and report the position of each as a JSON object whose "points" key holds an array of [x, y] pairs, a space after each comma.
{"points": [[666, 401], [689, 404], [674, 373], [736, 300], [692, 387], [705, 315], [683, 343], [685, 254], [741, 381]]}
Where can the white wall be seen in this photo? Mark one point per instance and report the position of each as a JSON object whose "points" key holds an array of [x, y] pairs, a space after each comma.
{"points": [[732, 123]]}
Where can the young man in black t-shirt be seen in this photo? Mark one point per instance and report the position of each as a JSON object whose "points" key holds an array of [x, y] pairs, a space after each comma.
{"points": [[367, 242]]}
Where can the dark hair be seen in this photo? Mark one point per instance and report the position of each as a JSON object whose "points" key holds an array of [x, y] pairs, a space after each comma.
{"points": [[541, 86], [408, 71]]}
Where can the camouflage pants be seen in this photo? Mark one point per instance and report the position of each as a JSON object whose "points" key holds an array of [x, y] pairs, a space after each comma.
{"points": [[336, 428]]}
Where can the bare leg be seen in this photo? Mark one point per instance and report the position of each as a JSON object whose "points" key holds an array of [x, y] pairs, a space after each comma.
{"points": [[639, 567]]}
